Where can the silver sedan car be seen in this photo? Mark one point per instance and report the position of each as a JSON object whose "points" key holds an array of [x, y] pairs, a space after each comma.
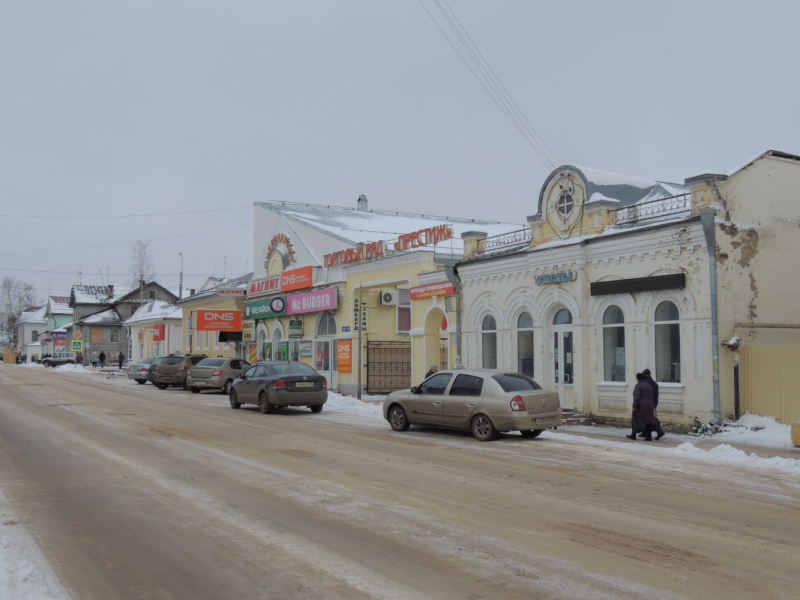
{"points": [[479, 400]]}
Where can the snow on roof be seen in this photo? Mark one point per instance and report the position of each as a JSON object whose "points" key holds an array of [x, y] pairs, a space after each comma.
{"points": [[155, 311], [238, 283], [94, 294], [32, 317], [355, 226], [105, 317], [58, 305]]}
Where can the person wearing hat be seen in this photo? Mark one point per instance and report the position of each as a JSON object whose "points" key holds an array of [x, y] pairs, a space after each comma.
{"points": [[434, 369]]}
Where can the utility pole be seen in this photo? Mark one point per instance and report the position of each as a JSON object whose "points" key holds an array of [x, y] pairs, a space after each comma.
{"points": [[224, 265], [180, 283], [360, 323]]}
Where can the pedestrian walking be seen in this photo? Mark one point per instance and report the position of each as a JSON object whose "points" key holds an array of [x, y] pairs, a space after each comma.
{"points": [[94, 360], [434, 369], [102, 358], [654, 385], [24, 359], [121, 360], [644, 416]]}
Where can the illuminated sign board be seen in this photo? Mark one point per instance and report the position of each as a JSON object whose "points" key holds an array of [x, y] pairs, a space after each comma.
{"points": [[264, 286], [219, 320]]}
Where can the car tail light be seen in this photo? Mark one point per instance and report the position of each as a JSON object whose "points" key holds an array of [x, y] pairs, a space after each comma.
{"points": [[324, 382], [280, 384], [182, 367], [517, 403], [143, 369], [216, 372]]}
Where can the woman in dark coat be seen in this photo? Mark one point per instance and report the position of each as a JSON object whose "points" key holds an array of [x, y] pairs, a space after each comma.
{"points": [[643, 405]]}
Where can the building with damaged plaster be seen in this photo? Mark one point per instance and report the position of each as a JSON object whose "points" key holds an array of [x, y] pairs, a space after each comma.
{"points": [[614, 275]]}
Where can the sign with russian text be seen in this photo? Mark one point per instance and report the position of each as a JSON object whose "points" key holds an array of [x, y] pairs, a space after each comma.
{"points": [[266, 308], [556, 277], [60, 342], [297, 279], [433, 289], [362, 251], [344, 356], [264, 286], [252, 353], [424, 237], [230, 292], [295, 328], [248, 331], [158, 333], [219, 319], [315, 301]]}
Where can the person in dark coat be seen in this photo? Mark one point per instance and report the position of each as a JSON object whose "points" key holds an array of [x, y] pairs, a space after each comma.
{"points": [[643, 406], [434, 369], [121, 360], [653, 385], [102, 358]]}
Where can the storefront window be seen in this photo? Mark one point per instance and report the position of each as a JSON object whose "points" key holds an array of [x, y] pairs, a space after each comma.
{"points": [[525, 344], [613, 344], [668, 343], [489, 339]]}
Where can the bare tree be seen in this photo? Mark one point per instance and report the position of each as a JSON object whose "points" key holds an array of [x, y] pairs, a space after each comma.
{"points": [[15, 296], [142, 268]]}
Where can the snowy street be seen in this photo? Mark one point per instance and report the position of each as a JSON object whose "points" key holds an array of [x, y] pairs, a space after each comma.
{"points": [[109, 489]]}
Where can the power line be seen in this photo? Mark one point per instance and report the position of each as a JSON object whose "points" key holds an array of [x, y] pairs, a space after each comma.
{"points": [[188, 212]]}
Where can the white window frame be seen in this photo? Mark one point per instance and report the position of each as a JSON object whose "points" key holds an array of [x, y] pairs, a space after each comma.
{"points": [[655, 324], [517, 331], [603, 328], [496, 345], [398, 331]]}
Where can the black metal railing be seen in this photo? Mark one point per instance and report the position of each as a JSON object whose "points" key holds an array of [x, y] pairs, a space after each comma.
{"points": [[652, 209], [521, 237]]}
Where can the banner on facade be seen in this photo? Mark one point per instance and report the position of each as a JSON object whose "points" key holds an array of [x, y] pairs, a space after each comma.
{"points": [[264, 286], [344, 356], [266, 308], [60, 342], [295, 328], [230, 292], [252, 353], [434, 289], [297, 279], [305, 349], [212, 319], [268, 351], [315, 301], [248, 330], [158, 336]]}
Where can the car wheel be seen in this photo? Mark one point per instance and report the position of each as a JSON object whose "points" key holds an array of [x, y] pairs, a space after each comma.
{"points": [[162, 386], [398, 419], [234, 401], [141, 381], [532, 433], [263, 404], [483, 428], [47, 363], [195, 390], [316, 408], [226, 389]]}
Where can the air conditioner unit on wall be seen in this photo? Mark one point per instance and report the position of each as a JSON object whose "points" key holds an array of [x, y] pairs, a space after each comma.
{"points": [[390, 298]]}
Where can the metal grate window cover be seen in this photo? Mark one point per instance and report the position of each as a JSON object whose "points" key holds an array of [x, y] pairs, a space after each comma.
{"points": [[388, 367]]}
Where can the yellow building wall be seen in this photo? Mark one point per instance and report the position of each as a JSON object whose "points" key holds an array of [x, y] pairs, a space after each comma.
{"points": [[190, 308]]}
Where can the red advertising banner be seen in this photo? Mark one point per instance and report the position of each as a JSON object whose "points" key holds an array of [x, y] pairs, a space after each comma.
{"points": [[264, 286], [434, 289], [297, 279], [219, 320], [159, 337]]}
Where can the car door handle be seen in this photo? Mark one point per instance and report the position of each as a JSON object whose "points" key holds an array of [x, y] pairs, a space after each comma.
{"points": [[437, 403], [470, 405]]}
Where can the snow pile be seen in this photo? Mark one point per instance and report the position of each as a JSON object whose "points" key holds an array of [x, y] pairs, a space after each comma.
{"points": [[727, 454], [757, 431], [354, 406], [32, 364], [70, 368]]}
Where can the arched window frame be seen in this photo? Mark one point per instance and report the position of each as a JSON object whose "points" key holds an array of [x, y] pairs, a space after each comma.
{"points": [[522, 336], [488, 343], [613, 370], [675, 375], [326, 318]]}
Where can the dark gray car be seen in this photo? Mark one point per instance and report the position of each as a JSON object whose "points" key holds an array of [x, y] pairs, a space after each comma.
{"points": [[215, 374], [273, 384]]}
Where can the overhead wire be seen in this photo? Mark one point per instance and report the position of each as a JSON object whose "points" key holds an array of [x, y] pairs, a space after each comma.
{"points": [[188, 212]]}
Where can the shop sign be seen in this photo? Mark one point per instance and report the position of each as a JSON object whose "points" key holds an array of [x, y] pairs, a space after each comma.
{"points": [[305, 349], [230, 292], [424, 237], [45, 337], [556, 277], [264, 286], [157, 332], [219, 319], [344, 356], [277, 239], [266, 308], [359, 316], [252, 353], [282, 351], [60, 336], [434, 289], [76, 346], [60, 342], [315, 301], [362, 251], [295, 328], [248, 329], [297, 279], [140, 335]]}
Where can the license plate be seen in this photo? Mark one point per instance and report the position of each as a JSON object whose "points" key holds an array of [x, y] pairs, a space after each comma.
{"points": [[199, 383], [304, 384], [544, 421]]}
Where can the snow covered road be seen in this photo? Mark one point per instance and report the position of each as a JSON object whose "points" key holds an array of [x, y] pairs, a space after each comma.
{"points": [[130, 492]]}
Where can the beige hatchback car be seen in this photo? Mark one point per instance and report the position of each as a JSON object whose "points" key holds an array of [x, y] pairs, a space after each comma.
{"points": [[483, 401]]}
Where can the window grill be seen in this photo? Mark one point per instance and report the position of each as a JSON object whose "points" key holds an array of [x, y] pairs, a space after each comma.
{"points": [[521, 237]]}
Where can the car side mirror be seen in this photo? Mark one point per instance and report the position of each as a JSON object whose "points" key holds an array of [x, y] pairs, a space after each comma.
{"points": [[414, 389], [243, 376]]}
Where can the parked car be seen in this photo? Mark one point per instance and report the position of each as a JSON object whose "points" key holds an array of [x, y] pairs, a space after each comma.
{"points": [[138, 371], [273, 384], [481, 400], [215, 374], [60, 358], [151, 370], [172, 370]]}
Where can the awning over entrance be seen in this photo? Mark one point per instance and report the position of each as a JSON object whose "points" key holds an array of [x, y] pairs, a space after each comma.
{"points": [[639, 284]]}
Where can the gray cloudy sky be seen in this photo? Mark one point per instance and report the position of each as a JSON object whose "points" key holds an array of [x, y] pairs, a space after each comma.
{"points": [[115, 108]]}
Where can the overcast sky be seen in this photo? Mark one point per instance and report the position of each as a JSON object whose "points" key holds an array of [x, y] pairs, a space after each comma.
{"points": [[117, 108]]}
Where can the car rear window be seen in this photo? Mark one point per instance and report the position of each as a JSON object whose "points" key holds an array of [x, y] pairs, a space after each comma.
{"points": [[292, 369], [171, 360], [516, 382], [147, 361], [211, 362]]}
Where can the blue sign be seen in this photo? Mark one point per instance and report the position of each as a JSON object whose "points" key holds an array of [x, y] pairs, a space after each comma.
{"points": [[557, 277], [345, 328]]}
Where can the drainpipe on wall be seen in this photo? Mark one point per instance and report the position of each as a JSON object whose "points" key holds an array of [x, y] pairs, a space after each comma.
{"points": [[708, 218], [452, 275]]}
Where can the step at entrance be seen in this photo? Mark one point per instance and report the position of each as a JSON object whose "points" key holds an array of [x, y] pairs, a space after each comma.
{"points": [[573, 417]]}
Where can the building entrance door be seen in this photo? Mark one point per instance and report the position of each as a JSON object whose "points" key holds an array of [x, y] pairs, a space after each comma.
{"points": [[563, 357], [324, 360]]}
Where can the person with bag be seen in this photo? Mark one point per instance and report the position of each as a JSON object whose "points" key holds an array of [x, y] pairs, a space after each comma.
{"points": [[644, 417]]}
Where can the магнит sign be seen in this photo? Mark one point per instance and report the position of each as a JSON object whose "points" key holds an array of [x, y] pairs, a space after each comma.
{"points": [[264, 286]]}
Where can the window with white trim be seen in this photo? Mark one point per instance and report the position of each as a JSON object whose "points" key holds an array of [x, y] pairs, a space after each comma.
{"points": [[525, 344], [489, 342], [404, 310], [613, 344], [668, 342]]}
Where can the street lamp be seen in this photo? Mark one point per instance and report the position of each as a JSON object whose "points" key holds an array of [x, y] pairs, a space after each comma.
{"points": [[180, 283]]}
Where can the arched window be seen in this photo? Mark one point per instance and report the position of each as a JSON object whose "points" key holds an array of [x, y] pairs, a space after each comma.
{"points": [[565, 204], [525, 344], [276, 345], [489, 339], [613, 344], [563, 317], [327, 324], [668, 342]]}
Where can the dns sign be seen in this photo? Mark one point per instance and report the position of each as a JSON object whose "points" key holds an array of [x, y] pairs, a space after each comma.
{"points": [[219, 320]]}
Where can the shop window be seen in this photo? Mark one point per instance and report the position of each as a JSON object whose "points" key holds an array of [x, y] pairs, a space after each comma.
{"points": [[489, 342], [613, 344], [327, 324], [525, 344], [114, 337], [668, 343], [404, 310]]}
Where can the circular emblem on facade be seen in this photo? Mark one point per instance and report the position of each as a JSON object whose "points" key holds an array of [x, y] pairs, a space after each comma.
{"points": [[277, 305], [277, 239], [247, 310]]}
